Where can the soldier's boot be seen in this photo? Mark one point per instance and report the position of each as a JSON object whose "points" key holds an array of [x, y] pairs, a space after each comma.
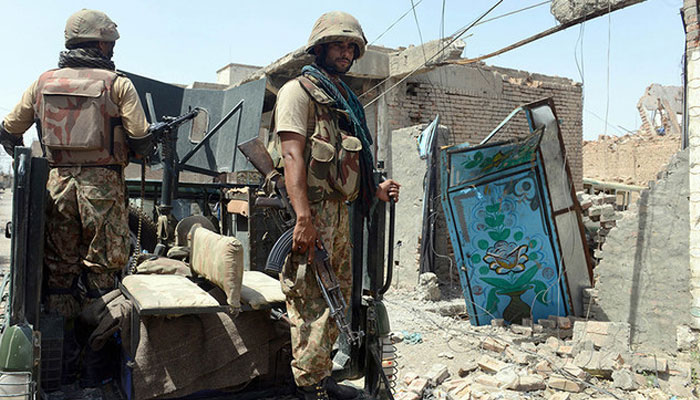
{"points": [[98, 367], [337, 391], [71, 355], [313, 392]]}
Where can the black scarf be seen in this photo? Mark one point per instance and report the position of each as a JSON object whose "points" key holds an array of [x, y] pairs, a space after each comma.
{"points": [[85, 57]]}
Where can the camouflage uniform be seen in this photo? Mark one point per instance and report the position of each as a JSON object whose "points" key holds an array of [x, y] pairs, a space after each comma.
{"points": [[333, 175], [83, 114]]}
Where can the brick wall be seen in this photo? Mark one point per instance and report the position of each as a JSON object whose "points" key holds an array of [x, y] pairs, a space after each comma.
{"points": [[630, 159], [473, 99]]}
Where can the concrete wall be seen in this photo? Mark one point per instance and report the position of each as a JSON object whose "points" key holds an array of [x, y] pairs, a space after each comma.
{"points": [[630, 159], [233, 73], [643, 276]]}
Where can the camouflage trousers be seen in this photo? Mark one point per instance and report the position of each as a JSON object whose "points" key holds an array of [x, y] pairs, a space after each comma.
{"points": [[313, 330], [87, 235]]}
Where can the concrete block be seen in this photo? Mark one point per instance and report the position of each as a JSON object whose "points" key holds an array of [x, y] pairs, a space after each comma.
{"points": [[521, 330], [565, 351], [467, 368], [685, 338], [544, 368], [498, 322], [575, 371], [563, 322], [604, 335], [488, 380], [597, 363], [528, 346], [562, 383], [680, 368], [553, 343], [517, 356], [649, 363], [528, 383], [489, 364], [418, 385], [624, 379], [452, 384], [437, 374], [547, 323]]}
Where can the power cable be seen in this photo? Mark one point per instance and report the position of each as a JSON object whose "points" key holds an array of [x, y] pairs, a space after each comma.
{"points": [[454, 39], [420, 35], [395, 22]]}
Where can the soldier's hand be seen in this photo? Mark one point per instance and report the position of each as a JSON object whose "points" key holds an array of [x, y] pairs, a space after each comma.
{"points": [[388, 188], [305, 238], [9, 141]]}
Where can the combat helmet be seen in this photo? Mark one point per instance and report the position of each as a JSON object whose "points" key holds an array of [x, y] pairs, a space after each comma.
{"points": [[90, 25], [336, 26]]}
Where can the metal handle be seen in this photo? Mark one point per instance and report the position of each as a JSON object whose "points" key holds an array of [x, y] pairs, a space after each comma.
{"points": [[390, 253]]}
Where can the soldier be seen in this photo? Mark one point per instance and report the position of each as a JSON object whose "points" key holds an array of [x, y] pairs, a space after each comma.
{"points": [[87, 115], [324, 145]]}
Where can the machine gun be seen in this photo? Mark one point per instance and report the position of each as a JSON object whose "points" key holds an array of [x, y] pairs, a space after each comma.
{"points": [[257, 154]]}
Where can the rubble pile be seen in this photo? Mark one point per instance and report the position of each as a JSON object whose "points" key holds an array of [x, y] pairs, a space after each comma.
{"points": [[554, 358], [600, 215]]}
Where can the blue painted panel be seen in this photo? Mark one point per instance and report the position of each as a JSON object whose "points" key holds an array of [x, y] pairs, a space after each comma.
{"points": [[499, 218]]}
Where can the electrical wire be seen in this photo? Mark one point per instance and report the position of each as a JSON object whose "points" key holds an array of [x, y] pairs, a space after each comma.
{"points": [[420, 35], [395, 22], [452, 40]]}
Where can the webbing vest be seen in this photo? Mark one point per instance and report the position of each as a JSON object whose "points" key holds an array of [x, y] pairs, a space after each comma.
{"points": [[80, 123], [332, 154]]}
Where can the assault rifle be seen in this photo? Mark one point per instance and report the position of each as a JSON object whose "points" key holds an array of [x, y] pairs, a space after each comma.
{"points": [[257, 154]]}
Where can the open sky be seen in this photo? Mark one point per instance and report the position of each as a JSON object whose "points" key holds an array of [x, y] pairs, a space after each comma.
{"points": [[176, 41]]}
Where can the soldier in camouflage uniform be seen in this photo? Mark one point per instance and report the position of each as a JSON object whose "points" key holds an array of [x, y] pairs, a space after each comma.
{"points": [[324, 146], [87, 115]]}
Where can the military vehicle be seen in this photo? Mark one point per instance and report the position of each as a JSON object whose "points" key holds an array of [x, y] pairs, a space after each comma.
{"points": [[186, 328]]}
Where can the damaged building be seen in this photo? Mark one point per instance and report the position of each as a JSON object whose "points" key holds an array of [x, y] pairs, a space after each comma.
{"points": [[403, 96]]}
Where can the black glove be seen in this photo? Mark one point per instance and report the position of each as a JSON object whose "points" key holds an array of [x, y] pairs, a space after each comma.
{"points": [[9, 141], [143, 146]]}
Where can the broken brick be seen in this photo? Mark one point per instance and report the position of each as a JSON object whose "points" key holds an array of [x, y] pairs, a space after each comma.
{"points": [[644, 363], [487, 380], [528, 383], [418, 385], [489, 364], [562, 383], [521, 330], [560, 396], [604, 335], [437, 374], [494, 345]]}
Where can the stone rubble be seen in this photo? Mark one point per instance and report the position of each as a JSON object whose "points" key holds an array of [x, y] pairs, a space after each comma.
{"points": [[570, 359]]}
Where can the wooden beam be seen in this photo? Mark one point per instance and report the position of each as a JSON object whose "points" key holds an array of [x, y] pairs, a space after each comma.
{"points": [[548, 32]]}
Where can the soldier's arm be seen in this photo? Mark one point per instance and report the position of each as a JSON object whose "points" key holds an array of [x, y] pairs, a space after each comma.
{"points": [[22, 116], [126, 98], [18, 121], [305, 234]]}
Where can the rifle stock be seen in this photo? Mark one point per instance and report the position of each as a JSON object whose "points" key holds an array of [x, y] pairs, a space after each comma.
{"points": [[257, 154]]}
